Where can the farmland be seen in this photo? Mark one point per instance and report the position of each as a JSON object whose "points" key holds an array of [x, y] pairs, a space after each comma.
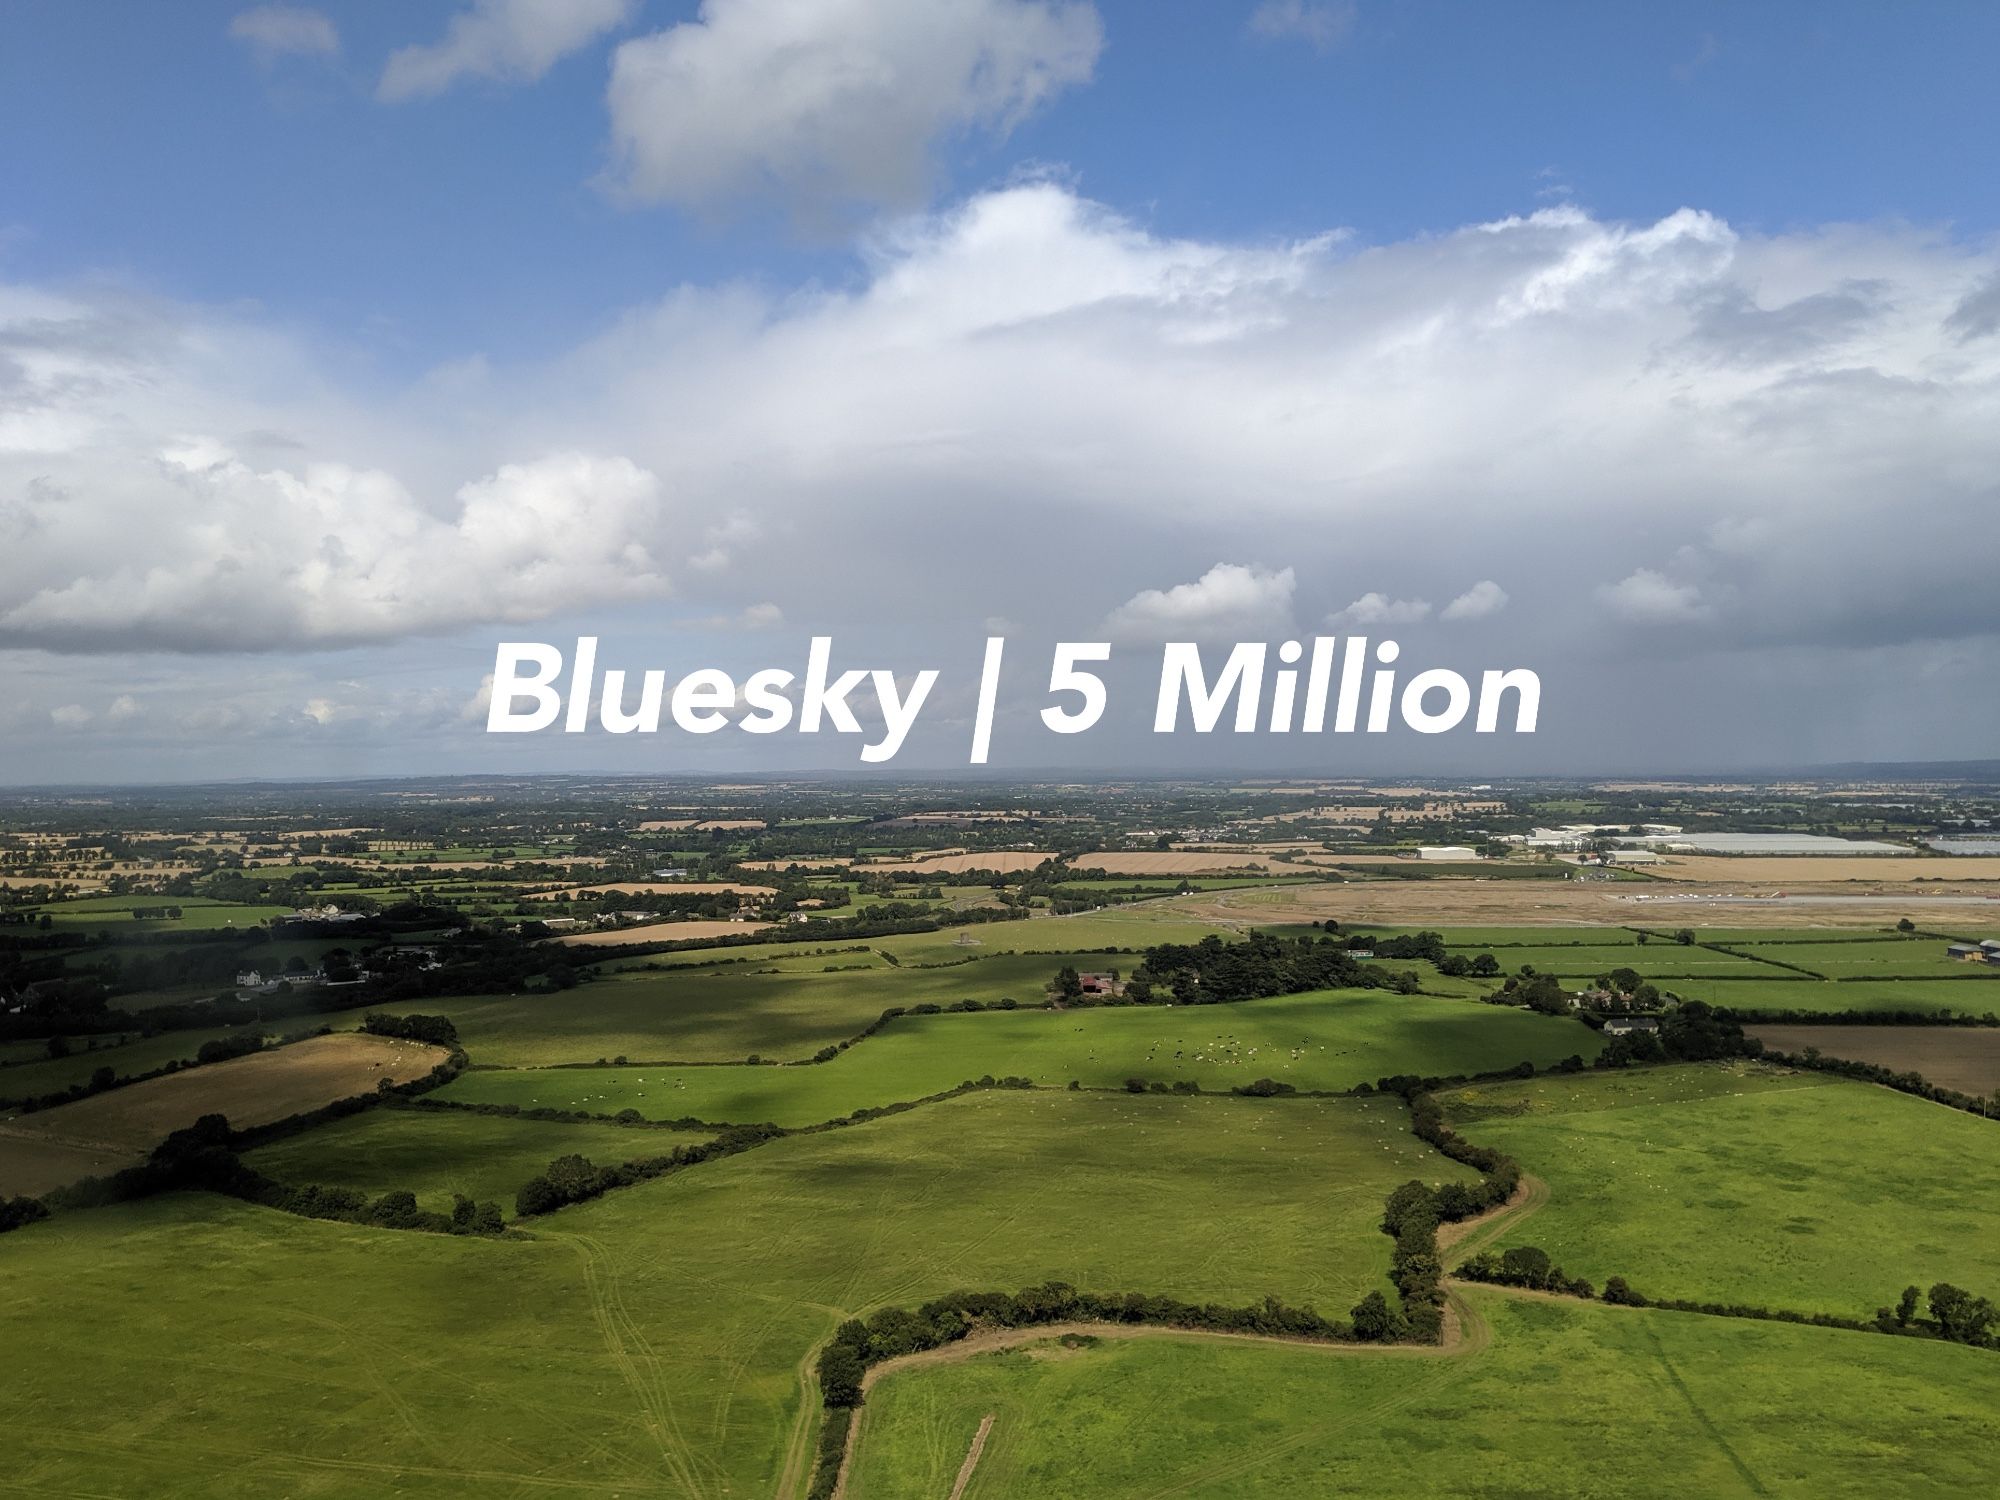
{"points": [[1326, 1041], [601, 1362], [1748, 1184], [436, 1153], [1744, 1409], [1964, 1059], [112, 1130], [647, 1313]]}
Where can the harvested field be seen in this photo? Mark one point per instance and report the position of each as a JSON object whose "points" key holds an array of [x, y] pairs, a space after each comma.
{"points": [[803, 862], [1786, 870], [1405, 905], [657, 888], [116, 1129], [1000, 861], [1966, 1058], [1171, 864], [659, 932]]}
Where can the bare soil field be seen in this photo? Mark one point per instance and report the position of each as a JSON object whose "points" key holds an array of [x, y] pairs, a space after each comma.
{"points": [[1001, 861], [1966, 1058], [1171, 864], [1558, 903], [1786, 870], [118, 1128], [658, 932], [656, 888]]}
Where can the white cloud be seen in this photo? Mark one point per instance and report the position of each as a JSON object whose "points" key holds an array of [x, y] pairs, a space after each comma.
{"points": [[1482, 600], [273, 31], [1227, 602], [218, 555], [828, 104], [1648, 597], [1380, 609], [1321, 25], [511, 41], [70, 716], [124, 708]]}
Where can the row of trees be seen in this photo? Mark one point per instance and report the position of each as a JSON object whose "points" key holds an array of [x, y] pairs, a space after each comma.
{"points": [[573, 1178]]}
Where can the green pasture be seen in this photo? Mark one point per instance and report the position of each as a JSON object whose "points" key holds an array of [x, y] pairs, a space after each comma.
{"points": [[1748, 1183], [435, 1153], [652, 1341], [1569, 1401], [1329, 1040], [134, 1056], [1970, 996]]}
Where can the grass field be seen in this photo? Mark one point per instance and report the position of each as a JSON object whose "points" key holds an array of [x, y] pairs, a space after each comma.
{"points": [[1329, 1040], [1962, 1058], [108, 1131], [114, 914], [436, 1153], [720, 1014], [1830, 997], [1569, 1401], [650, 1342], [1660, 961], [1746, 1183], [1906, 958]]}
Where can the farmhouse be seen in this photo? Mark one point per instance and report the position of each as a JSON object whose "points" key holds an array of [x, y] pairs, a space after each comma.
{"points": [[1100, 984], [1626, 1025]]}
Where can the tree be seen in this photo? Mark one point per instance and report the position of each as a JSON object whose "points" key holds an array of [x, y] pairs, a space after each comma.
{"points": [[1685, 937], [1904, 924], [1961, 1317], [840, 1371], [1374, 1321], [1069, 984], [1906, 1307], [58, 1047]]}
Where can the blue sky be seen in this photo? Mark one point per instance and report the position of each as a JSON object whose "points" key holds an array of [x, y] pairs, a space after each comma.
{"points": [[144, 143], [1654, 347]]}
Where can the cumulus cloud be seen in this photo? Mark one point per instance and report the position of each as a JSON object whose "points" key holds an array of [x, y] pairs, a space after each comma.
{"points": [[1648, 597], [273, 31], [835, 103], [1030, 407], [1321, 25], [510, 41], [1482, 600], [1380, 609], [70, 716], [214, 554], [1228, 602]]}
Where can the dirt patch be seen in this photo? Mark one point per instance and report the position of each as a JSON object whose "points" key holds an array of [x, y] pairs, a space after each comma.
{"points": [[118, 1128], [1966, 1058], [972, 1456]]}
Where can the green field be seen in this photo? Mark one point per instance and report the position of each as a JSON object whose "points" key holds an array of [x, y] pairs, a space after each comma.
{"points": [[1329, 1040], [1747, 1183], [1659, 961], [652, 1341], [1912, 996], [90, 914], [1891, 958], [1569, 1401], [435, 1153], [723, 1014]]}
